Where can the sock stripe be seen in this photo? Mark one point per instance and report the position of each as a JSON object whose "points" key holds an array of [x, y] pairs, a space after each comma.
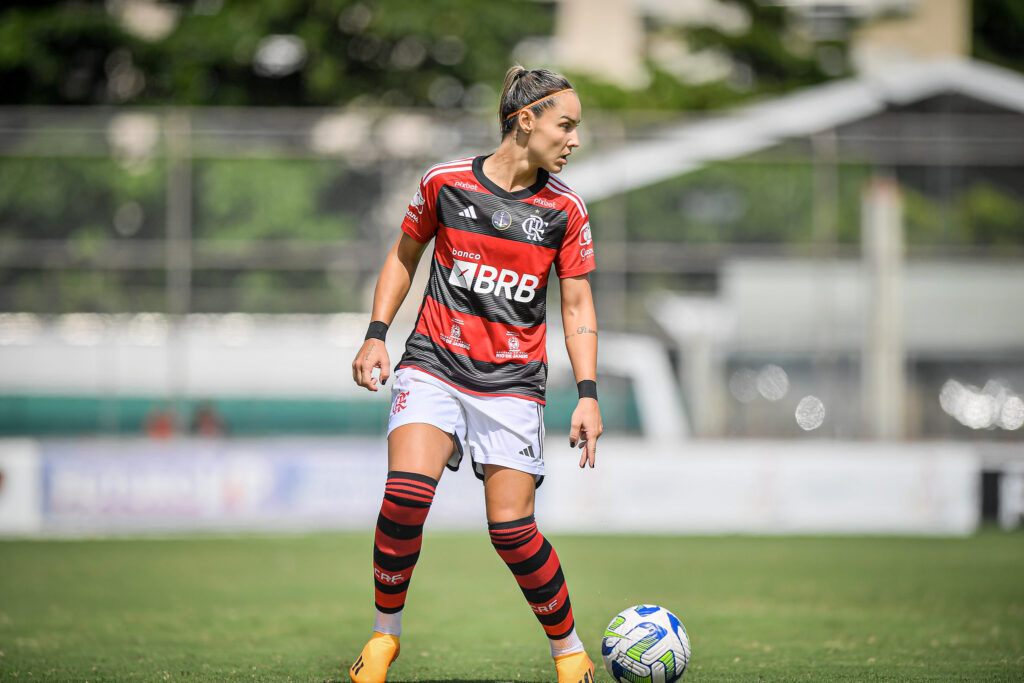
{"points": [[397, 530], [397, 547], [409, 483], [536, 568], [533, 562], [394, 563], [410, 492], [390, 609], [512, 541], [397, 589], [413, 476], [564, 634], [557, 621], [556, 600], [512, 531], [499, 526], [408, 501], [404, 514], [542, 584], [410, 488], [399, 536]]}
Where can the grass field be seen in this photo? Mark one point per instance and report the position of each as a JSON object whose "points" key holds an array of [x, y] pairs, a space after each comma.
{"points": [[259, 608]]}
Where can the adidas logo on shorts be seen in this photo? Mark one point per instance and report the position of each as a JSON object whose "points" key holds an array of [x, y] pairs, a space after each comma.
{"points": [[527, 452], [468, 212]]}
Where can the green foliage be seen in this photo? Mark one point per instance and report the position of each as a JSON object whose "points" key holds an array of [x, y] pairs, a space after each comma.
{"points": [[665, 92], [75, 201], [256, 199], [392, 52], [982, 215], [751, 201], [739, 202], [58, 197], [997, 26], [992, 216], [770, 48], [768, 57], [55, 53], [389, 51]]}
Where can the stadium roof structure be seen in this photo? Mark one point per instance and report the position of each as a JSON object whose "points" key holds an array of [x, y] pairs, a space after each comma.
{"points": [[687, 146]]}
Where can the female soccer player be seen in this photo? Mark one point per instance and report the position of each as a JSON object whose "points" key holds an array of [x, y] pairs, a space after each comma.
{"points": [[474, 371]]}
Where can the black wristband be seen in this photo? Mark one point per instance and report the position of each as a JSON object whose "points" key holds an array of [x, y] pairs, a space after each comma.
{"points": [[376, 330], [587, 388]]}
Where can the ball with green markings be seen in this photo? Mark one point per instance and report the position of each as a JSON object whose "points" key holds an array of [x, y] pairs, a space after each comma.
{"points": [[645, 644]]}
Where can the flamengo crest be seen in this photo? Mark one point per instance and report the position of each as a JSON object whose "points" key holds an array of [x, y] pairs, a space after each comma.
{"points": [[534, 228]]}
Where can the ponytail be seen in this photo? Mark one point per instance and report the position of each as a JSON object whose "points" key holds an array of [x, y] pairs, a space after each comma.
{"points": [[523, 89]]}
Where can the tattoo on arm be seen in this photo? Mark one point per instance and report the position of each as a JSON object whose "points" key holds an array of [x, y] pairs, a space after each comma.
{"points": [[370, 350], [583, 329]]}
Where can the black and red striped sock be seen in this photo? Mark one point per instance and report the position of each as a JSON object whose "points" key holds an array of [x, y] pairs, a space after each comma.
{"points": [[397, 541], [538, 572]]}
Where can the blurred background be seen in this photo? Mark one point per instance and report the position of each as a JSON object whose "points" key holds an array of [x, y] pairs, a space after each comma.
{"points": [[808, 218]]}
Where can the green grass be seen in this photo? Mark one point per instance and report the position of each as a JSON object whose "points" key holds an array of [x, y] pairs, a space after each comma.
{"points": [[258, 608]]}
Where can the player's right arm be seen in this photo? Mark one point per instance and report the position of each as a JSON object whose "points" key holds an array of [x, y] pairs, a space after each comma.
{"points": [[392, 286]]}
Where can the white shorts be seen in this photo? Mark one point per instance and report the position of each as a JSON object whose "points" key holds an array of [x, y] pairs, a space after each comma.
{"points": [[496, 430]]}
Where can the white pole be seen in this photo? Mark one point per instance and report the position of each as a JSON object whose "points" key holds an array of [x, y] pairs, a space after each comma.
{"points": [[883, 373]]}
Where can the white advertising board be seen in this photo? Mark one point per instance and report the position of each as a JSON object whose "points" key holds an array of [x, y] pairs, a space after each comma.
{"points": [[772, 487], [20, 487], [655, 487]]}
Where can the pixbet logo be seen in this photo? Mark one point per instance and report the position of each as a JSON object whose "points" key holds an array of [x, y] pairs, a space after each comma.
{"points": [[484, 279]]}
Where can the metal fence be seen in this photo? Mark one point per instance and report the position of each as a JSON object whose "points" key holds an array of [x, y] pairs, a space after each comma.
{"points": [[211, 211]]}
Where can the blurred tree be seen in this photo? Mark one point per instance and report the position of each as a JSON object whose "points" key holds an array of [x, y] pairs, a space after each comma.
{"points": [[274, 52], [998, 27], [441, 54], [744, 201], [333, 52], [391, 52]]}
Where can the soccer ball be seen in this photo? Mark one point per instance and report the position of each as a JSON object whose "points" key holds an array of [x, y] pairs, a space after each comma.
{"points": [[645, 644]]}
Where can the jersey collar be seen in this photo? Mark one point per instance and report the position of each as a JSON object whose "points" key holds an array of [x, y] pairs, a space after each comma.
{"points": [[525, 193]]}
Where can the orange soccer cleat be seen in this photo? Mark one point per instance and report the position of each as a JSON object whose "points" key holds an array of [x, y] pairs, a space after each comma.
{"points": [[574, 668], [371, 666]]}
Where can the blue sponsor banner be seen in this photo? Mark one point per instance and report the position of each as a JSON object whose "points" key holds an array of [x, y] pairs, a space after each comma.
{"points": [[194, 484]]}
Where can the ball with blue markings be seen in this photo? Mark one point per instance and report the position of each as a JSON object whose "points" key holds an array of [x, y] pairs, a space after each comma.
{"points": [[645, 644]]}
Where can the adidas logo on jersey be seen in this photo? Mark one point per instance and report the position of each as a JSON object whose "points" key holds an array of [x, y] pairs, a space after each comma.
{"points": [[484, 279], [468, 212]]}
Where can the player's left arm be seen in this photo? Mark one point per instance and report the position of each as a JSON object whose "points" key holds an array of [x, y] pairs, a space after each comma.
{"points": [[579, 320]]}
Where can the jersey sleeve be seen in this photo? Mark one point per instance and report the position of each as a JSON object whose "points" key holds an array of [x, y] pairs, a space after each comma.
{"points": [[420, 222], [576, 255]]}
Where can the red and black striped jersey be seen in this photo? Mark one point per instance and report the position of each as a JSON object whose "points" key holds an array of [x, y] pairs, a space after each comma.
{"points": [[481, 327]]}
